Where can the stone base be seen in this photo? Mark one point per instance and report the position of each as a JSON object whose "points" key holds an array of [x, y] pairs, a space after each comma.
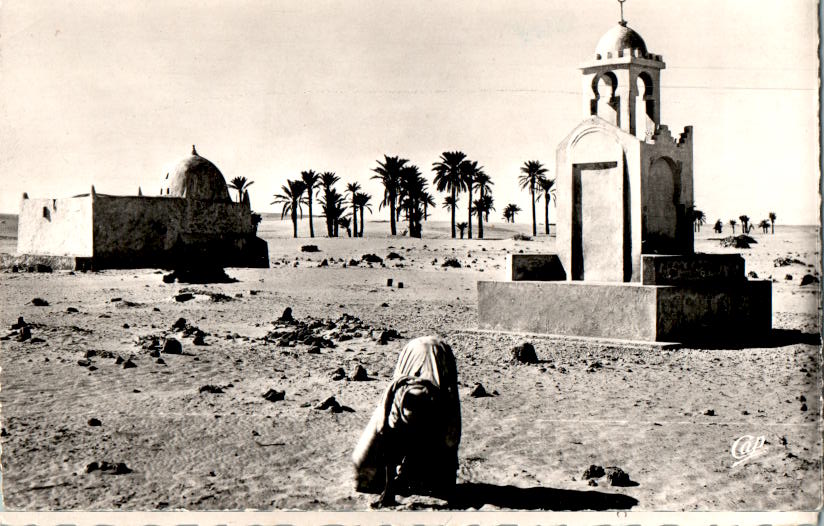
{"points": [[691, 268], [628, 311]]}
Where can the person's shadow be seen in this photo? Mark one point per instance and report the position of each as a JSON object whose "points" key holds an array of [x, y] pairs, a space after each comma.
{"points": [[475, 495]]}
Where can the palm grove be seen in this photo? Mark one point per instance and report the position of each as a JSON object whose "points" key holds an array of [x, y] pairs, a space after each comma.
{"points": [[407, 196]]}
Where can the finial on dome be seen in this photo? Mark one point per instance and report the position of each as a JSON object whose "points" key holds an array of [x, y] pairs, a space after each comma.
{"points": [[622, 22], [194, 152]]}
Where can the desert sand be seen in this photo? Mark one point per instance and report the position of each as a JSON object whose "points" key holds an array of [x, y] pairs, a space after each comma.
{"points": [[666, 417]]}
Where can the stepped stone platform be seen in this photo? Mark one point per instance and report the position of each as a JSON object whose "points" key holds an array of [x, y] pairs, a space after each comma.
{"points": [[700, 297]]}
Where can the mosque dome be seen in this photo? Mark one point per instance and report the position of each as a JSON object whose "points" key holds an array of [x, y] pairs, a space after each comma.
{"points": [[197, 178], [621, 38]]}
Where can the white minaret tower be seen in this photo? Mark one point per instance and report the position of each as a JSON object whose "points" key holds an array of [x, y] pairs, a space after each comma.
{"points": [[622, 84]]}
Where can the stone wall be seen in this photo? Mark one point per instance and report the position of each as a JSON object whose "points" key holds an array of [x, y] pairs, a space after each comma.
{"points": [[55, 227], [160, 231]]}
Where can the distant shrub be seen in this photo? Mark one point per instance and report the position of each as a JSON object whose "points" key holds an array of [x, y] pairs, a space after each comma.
{"points": [[451, 262], [309, 248], [521, 237]]}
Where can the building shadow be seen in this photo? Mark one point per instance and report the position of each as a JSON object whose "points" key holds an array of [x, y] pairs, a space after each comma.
{"points": [[475, 495], [774, 338]]}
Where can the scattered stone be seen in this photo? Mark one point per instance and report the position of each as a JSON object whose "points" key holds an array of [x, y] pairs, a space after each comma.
{"points": [[94, 422], [309, 248], [324, 263], [360, 374], [618, 477], [39, 302], [314, 350], [274, 395], [180, 324], [788, 277], [709, 412], [120, 360], [524, 353], [803, 407], [119, 468], [24, 334], [333, 405], [287, 315], [160, 361], [71, 310], [592, 482], [184, 296], [371, 258], [809, 279], [91, 353], [20, 324], [752, 274], [389, 282], [479, 392], [594, 472], [84, 363], [172, 346], [213, 389], [384, 304], [395, 255], [338, 374], [451, 262], [199, 338], [115, 300], [786, 262], [129, 364], [400, 284], [353, 263]]}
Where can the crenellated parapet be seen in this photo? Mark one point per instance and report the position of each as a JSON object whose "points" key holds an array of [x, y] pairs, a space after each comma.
{"points": [[663, 136]]}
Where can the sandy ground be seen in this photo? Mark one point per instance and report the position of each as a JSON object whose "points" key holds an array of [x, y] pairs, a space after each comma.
{"points": [[666, 417]]}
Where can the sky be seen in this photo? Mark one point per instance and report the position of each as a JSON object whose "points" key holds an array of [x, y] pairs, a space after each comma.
{"points": [[113, 94]]}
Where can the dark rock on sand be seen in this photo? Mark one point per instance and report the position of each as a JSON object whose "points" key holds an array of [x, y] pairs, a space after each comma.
{"points": [[213, 389], [94, 422], [372, 258], [119, 468], [338, 374], [333, 405], [287, 315], [479, 392], [39, 302], [129, 364], [20, 324], [184, 296], [809, 279], [360, 374], [71, 310], [172, 346], [309, 248], [594, 472], [618, 477], [524, 353], [273, 395]]}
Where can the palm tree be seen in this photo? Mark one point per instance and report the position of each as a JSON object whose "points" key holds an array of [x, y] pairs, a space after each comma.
{"points": [[344, 222], [361, 200], [719, 226], [698, 219], [772, 222], [733, 222], [461, 226], [484, 183], [531, 171], [548, 186], [428, 200], [310, 179], [389, 174], [240, 184], [765, 225], [482, 208], [411, 195], [291, 200], [449, 177], [332, 204], [745, 220], [470, 171], [327, 182], [510, 211], [354, 188]]}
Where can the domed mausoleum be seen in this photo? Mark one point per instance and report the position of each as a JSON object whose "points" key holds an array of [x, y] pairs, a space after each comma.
{"points": [[192, 223], [624, 266], [195, 177]]}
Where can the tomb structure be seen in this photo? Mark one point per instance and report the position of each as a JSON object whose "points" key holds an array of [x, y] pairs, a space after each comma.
{"points": [[192, 223], [624, 266]]}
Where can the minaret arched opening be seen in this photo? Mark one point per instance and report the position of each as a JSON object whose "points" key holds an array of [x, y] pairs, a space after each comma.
{"points": [[605, 101]]}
